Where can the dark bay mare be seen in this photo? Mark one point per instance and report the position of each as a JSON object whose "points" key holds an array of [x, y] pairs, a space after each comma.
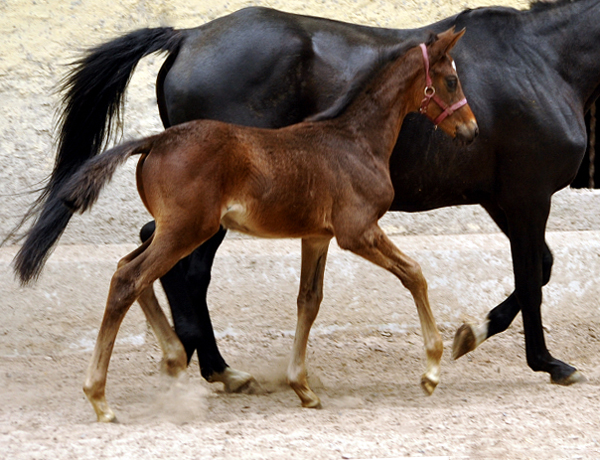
{"points": [[322, 178], [529, 75]]}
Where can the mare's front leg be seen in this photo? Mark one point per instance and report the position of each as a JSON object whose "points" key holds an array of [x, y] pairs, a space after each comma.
{"points": [[526, 225], [376, 247], [186, 287], [314, 258], [469, 336]]}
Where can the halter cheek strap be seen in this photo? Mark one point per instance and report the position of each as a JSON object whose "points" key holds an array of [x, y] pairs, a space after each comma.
{"points": [[430, 95]]}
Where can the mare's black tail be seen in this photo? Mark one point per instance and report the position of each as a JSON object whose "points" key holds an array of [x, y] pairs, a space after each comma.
{"points": [[93, 98], [77, 194]]}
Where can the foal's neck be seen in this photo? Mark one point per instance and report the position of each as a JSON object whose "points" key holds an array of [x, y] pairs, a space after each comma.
{"points": [[379, 110]]}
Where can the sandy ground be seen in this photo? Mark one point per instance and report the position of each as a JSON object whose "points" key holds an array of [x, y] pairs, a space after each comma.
{"points": [[365, 359], [488, 406]]}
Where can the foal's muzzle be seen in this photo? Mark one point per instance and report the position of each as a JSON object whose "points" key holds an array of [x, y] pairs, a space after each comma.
{"points": [[467, 132]]}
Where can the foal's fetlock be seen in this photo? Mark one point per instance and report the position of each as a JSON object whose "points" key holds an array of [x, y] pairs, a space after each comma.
{"points": [[104, 413], [299, 383], [173, 365]]}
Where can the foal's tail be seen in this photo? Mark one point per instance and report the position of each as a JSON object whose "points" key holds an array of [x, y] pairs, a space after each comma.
{"points": [[93, 98], [77, 194]]}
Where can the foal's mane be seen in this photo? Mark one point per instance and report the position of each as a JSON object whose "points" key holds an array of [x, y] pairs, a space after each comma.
{"points": [[364, 76]]}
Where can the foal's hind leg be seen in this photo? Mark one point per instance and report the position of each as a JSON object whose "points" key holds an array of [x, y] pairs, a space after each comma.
{"points": [[136, 272], [174, 358], [376, 247], [314, 257], [186, 286]]}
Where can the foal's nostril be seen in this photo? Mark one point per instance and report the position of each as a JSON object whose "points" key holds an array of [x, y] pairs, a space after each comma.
{"points": [[466, 133]]}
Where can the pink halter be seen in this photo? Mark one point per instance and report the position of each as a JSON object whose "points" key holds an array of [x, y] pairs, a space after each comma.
{"points": [[430, 94]]}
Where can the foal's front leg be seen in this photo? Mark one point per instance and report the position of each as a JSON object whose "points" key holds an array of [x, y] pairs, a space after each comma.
{"points": [[314, 257], [376, 247]]}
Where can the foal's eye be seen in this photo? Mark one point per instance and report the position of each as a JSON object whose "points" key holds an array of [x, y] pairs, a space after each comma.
{"points": [[451, 83]]}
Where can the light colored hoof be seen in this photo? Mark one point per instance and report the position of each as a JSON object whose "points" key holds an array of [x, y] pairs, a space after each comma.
{"points": [[236, 381], [316, 404], [244, 384], [464, 341], [428, 384], [307, 397], [575, 377], [107, 417]]}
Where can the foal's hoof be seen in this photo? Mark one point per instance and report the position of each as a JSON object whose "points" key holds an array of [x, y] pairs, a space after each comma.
{"points": [[428, 384], [575, 377], [313, 404], [464, 341], [307, 397], [108, 417]]}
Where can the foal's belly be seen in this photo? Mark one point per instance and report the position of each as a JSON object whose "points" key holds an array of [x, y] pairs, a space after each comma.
{"points": [[276, 221]]}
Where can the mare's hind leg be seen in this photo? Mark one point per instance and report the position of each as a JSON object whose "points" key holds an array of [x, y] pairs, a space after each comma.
{"points": [[314, 258], [135, 273], [469, 336], [376, 247], [186, 286]]}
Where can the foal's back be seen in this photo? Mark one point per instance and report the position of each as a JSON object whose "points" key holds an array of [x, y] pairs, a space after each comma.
{"points": [[263, 182]]}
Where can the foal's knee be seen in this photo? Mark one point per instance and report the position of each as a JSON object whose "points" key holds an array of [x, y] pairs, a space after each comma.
{"points": [[358, 243]]}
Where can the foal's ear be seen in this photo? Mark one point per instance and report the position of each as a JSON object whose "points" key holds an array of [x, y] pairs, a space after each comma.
{"points": [[444, 43]]}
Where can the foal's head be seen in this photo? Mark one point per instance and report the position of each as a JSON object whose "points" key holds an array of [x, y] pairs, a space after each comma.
{"points": [[443, 101]]}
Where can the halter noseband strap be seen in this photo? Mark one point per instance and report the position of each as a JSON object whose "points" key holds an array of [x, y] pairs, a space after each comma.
{"points": [[430, 94]]}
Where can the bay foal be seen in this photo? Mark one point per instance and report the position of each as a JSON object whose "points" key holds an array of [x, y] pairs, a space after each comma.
{"points": [[323, 178]]}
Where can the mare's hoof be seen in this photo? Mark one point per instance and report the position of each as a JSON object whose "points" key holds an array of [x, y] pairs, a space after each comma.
{"points": [[464, 341], [247, 386], [428, 385], [236, 381], [575, 377]]}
